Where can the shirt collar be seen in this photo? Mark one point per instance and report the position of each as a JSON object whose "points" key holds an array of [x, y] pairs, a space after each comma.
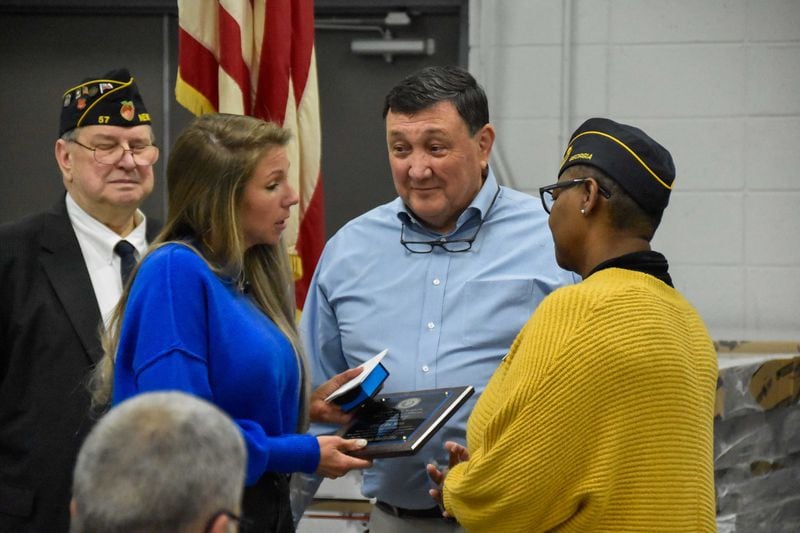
{"points": [[480, 205], [100, 237]]}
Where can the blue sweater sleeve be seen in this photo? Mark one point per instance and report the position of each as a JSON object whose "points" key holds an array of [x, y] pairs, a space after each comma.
{"points": [[182, 371], [167, 343]]}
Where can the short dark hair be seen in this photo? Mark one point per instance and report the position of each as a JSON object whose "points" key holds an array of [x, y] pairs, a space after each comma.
{"points": [[626, 214], [432, 85]]}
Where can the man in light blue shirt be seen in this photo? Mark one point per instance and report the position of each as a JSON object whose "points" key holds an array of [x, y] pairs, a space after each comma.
{"points": [[443, 277]]}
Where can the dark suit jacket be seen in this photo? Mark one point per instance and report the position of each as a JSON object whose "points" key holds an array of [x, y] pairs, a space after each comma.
{"points": [[49, 340]]}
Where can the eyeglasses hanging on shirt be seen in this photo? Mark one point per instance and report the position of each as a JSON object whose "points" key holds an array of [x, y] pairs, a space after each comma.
{"points": [[449, 245]]}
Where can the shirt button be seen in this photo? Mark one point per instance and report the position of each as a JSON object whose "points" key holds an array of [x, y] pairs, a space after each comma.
{"points": [[431, 325], [436, 281], [425, 368]]}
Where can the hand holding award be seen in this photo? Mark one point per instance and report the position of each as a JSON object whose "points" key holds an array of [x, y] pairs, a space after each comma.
{"points": [[398, 423]]}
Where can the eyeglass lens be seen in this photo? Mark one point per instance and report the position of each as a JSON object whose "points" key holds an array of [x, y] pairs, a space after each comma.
{"points": [[142, 155], [425, 247], [548, 200]]}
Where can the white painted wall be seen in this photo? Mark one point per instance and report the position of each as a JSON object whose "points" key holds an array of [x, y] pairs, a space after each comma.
{"points": [[715, 81]]}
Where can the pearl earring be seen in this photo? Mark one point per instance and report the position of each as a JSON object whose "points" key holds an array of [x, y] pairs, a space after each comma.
{"points": [[583, 211]]}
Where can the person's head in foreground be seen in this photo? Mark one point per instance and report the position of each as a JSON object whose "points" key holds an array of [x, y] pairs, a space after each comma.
{"points": [[159, 462]]}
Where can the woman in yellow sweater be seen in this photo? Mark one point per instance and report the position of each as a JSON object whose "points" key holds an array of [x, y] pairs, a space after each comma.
{"points": [[600, 418]]}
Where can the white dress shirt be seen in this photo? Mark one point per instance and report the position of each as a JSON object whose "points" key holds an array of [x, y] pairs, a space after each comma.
{"points": [[97, 243]]}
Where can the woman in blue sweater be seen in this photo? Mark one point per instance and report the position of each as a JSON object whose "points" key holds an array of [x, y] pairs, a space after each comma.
{"points": [[210, 310]]}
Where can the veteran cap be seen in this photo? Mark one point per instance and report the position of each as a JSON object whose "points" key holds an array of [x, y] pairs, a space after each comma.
{"points": [[641, 166], [112, 99]]}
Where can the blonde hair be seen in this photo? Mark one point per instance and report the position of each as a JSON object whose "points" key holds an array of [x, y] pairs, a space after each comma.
{"points": [[210, 162]]}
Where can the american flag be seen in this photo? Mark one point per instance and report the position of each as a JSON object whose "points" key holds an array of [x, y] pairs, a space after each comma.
{"points": [[256, 57]]}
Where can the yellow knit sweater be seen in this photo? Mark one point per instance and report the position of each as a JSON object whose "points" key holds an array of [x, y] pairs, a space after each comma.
{"points": [[599, 419]]}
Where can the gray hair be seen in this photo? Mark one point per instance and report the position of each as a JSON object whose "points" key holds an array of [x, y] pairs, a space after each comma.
{"points": [[158, 462]]}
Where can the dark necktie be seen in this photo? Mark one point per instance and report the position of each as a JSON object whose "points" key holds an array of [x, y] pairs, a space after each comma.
{"points": [[125, 251]]}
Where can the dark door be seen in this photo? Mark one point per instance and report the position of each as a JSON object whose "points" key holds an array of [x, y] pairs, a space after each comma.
{"points": [[352, 87]]}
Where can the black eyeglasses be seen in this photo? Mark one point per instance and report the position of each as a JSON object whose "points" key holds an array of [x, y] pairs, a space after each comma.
{"points": [[142, 155], [548, 199], [453, 246], [243, 523]]}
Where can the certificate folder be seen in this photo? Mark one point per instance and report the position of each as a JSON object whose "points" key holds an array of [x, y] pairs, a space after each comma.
{"points": [[400, 423]]}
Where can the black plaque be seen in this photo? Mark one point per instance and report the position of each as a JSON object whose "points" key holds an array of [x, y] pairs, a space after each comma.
{"points": [[400, 423]]}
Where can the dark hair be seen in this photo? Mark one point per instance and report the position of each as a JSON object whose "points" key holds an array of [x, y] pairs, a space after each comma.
{"points": [[432, 85], [626, 214]]}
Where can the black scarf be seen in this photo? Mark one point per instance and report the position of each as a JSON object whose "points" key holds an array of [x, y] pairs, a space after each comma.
{"points": [[649, 262]]}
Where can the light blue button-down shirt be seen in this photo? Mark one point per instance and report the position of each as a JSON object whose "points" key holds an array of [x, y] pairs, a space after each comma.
{"points": [[446, 318]]}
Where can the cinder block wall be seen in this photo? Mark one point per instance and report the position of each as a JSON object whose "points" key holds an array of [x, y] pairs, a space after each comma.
{"points": [[716, 81]]}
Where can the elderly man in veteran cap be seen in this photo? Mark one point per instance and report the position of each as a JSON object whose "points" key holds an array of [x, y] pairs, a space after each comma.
{"points": [[61, 271], [600, 418]]}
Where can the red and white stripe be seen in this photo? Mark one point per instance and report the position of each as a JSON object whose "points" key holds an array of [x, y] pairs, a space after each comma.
{"points": [[256, 57]]}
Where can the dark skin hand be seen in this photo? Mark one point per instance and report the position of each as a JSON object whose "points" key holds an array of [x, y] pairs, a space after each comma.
{"points": [[458, 454]]}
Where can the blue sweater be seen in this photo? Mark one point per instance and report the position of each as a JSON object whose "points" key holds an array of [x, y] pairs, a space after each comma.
{"points": [[187, 329]]}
